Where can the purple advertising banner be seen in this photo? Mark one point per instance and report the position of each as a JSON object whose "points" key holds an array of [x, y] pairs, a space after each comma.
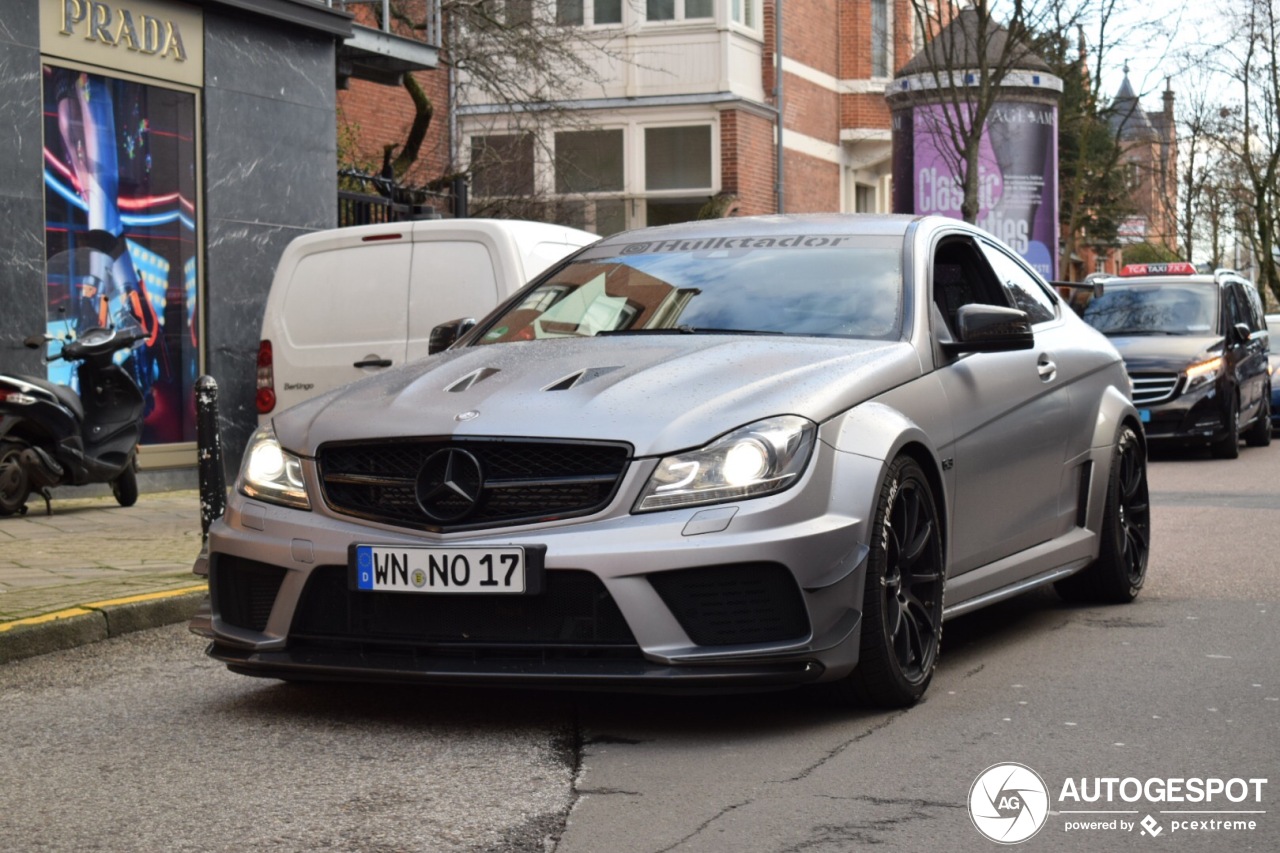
{"points": [[1018, 176]]}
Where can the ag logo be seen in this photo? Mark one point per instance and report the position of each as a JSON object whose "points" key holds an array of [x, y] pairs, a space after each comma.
{"points": [[1008, 803]]}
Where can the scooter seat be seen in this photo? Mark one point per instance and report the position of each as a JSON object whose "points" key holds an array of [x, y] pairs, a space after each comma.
{"points": [[64, 394]]}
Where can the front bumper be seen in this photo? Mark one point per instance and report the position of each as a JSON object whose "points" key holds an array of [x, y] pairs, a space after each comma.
{"points": [[1198, 416], [816, 542]]}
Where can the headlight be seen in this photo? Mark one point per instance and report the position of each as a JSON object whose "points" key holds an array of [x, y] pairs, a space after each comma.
{"points": [[1203, 372], [270, 473], [757, 459]]}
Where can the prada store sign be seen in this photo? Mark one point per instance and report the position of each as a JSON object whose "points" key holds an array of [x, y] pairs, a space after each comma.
{"points": [[149, 37]]}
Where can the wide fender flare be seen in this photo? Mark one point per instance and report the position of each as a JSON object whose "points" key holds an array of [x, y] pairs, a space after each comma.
{"points": [[1114, 408], [876, 433]]}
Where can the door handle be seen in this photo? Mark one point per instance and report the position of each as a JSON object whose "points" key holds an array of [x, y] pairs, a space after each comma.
{"points": [[373, 362], [1046, 368]]}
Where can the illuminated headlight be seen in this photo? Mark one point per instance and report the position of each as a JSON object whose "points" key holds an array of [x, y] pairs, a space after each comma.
{"points": [[270, 473], [757, 459], [1203, 372]]}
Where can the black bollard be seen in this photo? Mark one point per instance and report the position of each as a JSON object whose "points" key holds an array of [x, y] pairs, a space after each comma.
{"points": [[213, 482]]}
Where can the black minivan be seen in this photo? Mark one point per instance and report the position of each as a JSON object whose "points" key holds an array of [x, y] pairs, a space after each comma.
{"points": [[1195, 346]]}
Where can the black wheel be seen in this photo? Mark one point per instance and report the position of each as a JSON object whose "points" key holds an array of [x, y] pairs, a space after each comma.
{"points": [[1259, 435], [902, 602], [14, 483], [125, 487], [1121, 567], [1228, 447]]}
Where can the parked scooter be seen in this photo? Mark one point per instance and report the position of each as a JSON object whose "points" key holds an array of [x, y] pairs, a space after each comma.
{"points": [[50, 437]]}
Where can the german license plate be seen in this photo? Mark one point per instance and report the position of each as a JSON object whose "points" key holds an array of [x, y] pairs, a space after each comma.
{"points": [[435, 569]]}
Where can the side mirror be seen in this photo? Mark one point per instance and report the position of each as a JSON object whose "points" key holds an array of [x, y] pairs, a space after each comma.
{"points": [[1242, 332], [36, 341], [447, 334], [990, 328]]}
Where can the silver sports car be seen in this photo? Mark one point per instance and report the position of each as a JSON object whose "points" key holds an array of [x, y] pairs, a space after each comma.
{"points": [[734, 454]]}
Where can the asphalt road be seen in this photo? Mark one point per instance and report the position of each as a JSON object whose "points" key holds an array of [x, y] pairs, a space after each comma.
{"points": [[140, 743]]}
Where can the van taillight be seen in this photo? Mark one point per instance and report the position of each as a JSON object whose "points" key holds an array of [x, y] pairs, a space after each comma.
{"points": [[266, 396]]}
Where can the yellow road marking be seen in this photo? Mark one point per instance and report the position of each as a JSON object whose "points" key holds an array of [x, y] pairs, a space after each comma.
{"points": [[95, 605]]}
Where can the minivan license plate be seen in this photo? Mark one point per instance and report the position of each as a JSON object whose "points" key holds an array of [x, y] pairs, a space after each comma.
{"points": [[431, 569]]}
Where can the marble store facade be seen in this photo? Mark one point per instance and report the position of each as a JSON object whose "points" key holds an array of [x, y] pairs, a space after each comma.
{"points": [[155, 159]]}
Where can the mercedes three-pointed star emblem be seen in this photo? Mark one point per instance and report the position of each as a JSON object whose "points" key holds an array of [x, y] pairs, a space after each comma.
{"points": [[449, 485]]}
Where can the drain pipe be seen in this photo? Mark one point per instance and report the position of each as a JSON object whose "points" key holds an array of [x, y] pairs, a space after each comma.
{"points": [[779, 185]]}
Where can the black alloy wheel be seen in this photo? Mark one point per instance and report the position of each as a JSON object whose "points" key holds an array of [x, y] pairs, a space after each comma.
{"points": [[14, 484], [1259, 435], [902, 600], [1121, 568], [1228, 447]]}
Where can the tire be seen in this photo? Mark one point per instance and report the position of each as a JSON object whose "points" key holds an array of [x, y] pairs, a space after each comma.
{"points": [[14, 483], [1259, 435], [1228, 447], [902, 602], [125, 487], [1121, 568]]}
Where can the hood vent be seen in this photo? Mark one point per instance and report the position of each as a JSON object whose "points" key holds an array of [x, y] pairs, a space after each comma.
{"points": [[575, 379], [472, 378]]}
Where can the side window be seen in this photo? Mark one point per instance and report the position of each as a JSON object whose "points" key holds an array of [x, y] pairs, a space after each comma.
{"points": [[1027, 292], [1254, 304], [1236, 311], [962, 277]]}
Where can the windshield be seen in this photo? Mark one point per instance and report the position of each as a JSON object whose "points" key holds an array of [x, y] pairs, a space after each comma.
{"points": [[826, 286], [1155, 309]]}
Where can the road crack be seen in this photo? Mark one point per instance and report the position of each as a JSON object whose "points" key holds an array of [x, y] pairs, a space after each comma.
{"points": [[834, 752]]}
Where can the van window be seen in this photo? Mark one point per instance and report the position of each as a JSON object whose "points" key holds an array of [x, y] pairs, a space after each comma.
{"points": [[346, 296], [449, 279], [543, 255]]}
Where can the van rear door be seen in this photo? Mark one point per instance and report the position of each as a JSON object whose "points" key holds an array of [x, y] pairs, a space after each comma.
{"points": [[344, 317], [450, 279]]}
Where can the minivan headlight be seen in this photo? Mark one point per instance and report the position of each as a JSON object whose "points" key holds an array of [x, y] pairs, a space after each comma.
{"points": [[270, 473], [758, 459], [1203, 372]]}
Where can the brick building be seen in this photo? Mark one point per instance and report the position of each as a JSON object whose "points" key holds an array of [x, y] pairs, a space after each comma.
{"points": [[684, 109]]}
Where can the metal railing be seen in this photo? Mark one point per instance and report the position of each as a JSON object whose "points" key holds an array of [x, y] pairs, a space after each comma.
{"points": [[370, 199], [427, 31]]}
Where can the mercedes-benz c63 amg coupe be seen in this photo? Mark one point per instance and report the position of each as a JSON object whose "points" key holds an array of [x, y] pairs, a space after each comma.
{"points": [[740, 454]]}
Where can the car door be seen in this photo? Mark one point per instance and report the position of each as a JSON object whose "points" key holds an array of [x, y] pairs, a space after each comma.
{"points": [[1248, 354], [1009, 414]]}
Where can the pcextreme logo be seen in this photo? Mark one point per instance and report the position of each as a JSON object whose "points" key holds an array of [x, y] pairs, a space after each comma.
{"points": [[1009, 803]]}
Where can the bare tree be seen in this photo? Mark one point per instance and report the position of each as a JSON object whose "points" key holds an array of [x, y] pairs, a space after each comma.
{"points": [[1252, 60], [525, 55]]}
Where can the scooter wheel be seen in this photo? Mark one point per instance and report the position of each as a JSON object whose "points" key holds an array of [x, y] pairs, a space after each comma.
{"points": [[14, 483], [125, 487]]}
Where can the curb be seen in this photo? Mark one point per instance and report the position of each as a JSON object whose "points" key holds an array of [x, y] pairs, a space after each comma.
{"points": [[97, 620]]}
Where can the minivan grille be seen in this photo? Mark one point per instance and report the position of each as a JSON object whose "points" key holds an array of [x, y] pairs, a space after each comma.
{"points": [[469, 484], [1149, 388]]}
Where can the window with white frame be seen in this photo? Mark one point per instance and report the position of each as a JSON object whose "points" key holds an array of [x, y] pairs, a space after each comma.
{"points": [[604, 179], [678, 10], [880, 46], [577, 13], [744, 13]]}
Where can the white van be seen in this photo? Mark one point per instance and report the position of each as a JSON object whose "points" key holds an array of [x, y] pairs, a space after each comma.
{"points": [[349, 302]]}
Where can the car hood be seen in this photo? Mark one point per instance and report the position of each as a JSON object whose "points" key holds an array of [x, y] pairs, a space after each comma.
{"points": [[658, 393], [1165, 352]]}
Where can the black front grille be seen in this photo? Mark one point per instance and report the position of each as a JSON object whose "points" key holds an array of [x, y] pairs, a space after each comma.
{"points": [[734, 605], [574, 610], [244, 590], [521, 482]]}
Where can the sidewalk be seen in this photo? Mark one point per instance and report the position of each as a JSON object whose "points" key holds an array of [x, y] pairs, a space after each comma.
{"points": [[94, 569]]}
